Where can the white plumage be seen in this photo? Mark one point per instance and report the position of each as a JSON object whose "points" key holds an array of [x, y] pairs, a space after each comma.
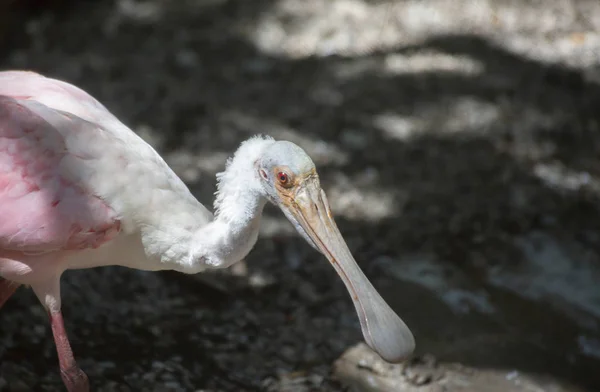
{"points": [[78, 189]]}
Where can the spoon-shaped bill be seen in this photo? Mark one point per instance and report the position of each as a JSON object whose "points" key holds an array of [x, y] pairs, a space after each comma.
{"points": [[382, 329]]}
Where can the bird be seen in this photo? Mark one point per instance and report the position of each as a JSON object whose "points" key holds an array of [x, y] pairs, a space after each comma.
{"points": [[79, 189]]}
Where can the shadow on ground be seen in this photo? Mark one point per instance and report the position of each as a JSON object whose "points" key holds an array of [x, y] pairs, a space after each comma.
{"points": [[467, 175]]}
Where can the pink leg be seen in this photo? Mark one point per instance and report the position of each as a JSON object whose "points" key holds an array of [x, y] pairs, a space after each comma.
{"points": [[74, 378], [7, 288]]}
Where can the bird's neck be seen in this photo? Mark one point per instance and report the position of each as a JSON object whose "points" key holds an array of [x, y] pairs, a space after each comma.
{"points": [[238, 207], [233, 232]]}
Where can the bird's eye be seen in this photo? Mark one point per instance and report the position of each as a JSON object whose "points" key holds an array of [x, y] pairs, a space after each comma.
{"points": [[283, 178]]}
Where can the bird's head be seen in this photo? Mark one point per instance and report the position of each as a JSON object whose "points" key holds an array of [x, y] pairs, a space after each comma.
{"points": [[290, 181]]}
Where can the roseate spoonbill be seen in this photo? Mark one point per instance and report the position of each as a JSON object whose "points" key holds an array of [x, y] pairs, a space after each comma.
{"points": [[78, 189]]}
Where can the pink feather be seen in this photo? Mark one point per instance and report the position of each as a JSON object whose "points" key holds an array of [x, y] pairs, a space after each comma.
{"points": [[42, 211]]}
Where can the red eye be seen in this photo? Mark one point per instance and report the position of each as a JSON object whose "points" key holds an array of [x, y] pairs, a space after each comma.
{"points": [[283, 178]]}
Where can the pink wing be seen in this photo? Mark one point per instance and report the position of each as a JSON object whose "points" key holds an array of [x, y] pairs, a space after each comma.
{"points": [[41, 210], [54, 94]]}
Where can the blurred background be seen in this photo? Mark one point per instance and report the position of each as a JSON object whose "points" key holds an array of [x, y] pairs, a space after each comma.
{"points": [[458, 142]]}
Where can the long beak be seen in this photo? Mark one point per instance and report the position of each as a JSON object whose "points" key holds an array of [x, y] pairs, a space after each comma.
{"points": [[382, 329]]}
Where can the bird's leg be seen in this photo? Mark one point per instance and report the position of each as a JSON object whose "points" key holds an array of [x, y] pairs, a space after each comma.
{"points": [[73, 377], [7, 289], [48, 292]]}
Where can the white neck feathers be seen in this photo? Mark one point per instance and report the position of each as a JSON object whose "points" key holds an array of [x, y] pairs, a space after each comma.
{"points": [[234, 229], [238, 197]]}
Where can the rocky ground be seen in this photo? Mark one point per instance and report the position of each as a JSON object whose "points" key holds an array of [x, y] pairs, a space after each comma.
{"points": [[458, 142]]}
